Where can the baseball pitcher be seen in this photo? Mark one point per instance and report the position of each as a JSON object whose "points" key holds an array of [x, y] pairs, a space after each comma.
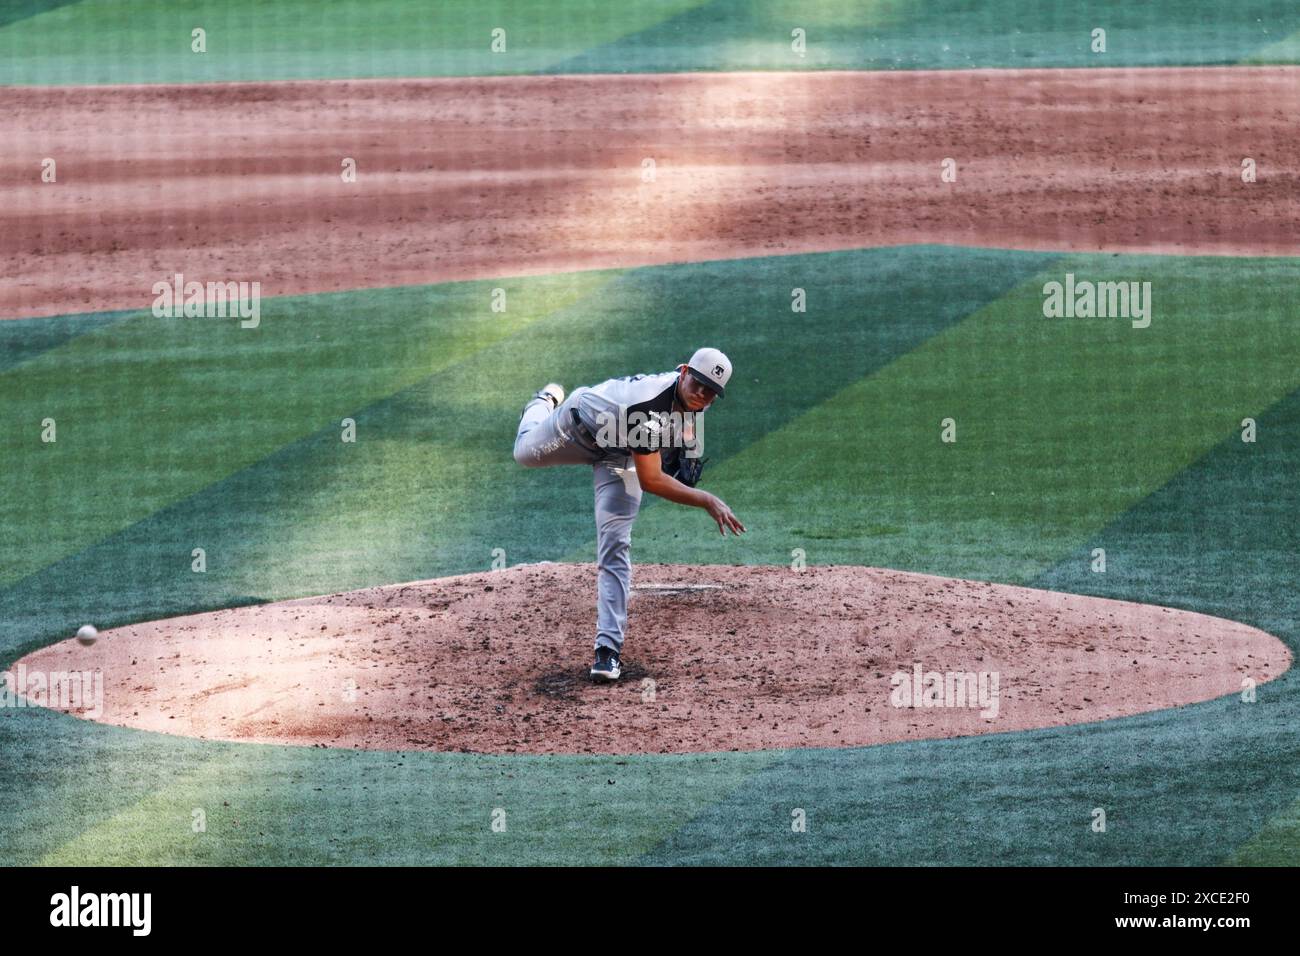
{"points": [[639, 433]]}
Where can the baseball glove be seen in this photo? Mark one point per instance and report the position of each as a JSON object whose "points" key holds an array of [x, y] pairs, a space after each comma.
{"points": [[685, 469]]}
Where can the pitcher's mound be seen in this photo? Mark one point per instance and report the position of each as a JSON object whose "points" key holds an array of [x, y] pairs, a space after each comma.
{"points": [[717, 658]]}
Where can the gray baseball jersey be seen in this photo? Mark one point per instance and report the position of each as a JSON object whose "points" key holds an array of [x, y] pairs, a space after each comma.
{"points": [[635, 399]]}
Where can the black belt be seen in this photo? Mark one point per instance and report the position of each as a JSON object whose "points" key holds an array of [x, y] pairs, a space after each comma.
{"points": [[582, 430]]}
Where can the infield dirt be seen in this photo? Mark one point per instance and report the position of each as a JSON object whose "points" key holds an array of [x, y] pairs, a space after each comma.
{"points": [[510, 176]]}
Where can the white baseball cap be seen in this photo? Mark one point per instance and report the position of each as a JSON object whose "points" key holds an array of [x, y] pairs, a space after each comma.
{"points": [[710, 367]]}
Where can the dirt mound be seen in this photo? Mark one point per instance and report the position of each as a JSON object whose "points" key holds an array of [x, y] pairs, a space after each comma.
{"points": [[717, 658]]}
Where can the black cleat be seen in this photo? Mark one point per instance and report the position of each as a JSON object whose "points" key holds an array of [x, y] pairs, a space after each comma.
{"points": [[606, 666]]}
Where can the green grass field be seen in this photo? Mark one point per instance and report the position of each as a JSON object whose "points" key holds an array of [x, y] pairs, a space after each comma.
{"points": [[149, 41], [1073, 434]]}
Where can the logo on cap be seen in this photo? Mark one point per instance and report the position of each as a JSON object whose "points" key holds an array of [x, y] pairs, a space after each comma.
{"points": [[718, 370]]}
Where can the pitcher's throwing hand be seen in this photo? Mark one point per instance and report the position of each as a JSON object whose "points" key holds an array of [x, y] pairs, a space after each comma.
{"points": [[723, 516]]}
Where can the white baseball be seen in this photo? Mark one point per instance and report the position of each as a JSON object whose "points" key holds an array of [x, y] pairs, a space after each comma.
{"points": [[87, 635]]}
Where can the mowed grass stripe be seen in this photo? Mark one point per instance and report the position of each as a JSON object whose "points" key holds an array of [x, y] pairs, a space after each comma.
{"points": [[1276, 844], [1061, 425], [130, 799], [147, 41], [948, 34], [302, 806], [22, 341], [1283, 50], [148, 411], [15, 10]]}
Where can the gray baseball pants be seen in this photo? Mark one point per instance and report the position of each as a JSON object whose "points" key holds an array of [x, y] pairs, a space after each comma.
{"points": [[547, 437]]}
